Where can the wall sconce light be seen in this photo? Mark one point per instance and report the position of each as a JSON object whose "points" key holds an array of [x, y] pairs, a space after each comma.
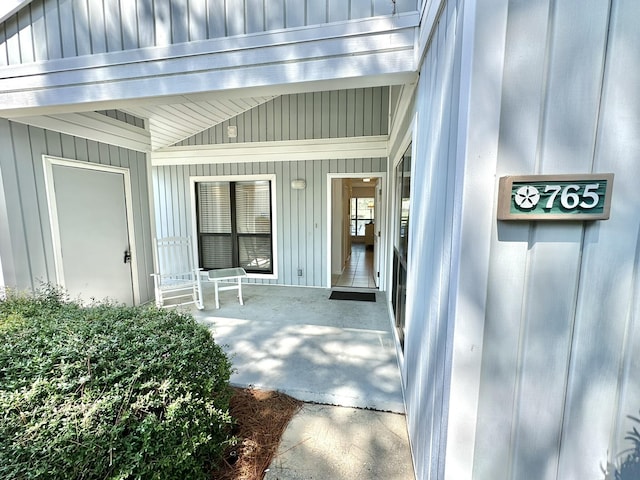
{"points": [[232, 131], [298, 184]]}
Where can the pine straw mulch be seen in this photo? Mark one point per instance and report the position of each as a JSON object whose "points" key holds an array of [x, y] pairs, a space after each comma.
{"points": [[261, 418]]}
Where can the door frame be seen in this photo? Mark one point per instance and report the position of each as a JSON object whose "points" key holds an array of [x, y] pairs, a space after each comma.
{"points": [[382, 241], [48, 163]]}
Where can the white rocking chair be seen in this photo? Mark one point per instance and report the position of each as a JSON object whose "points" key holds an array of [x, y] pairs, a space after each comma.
{"points": [[177, 280]]}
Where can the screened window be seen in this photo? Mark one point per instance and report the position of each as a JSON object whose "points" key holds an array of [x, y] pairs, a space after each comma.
{"points": [[234, 225]]}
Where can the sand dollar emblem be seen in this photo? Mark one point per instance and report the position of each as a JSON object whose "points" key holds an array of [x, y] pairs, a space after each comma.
{"points": [[527, 197]]}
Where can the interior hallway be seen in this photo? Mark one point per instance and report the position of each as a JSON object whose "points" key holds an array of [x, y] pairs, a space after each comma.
{"points": [[358, 272]]}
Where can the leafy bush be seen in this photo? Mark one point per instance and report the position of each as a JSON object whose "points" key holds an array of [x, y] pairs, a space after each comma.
{"points": [[629, 469], [108, 392]]}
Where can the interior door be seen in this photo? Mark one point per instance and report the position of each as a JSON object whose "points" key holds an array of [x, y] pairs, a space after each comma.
{"points": [[93, 233]]}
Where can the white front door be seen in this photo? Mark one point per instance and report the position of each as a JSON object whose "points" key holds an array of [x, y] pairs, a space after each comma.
{"points": [[90, 220]]}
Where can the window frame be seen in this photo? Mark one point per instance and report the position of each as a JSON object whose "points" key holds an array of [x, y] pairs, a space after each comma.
{"points": [[238, 178], [357, 220], [400, 242]]}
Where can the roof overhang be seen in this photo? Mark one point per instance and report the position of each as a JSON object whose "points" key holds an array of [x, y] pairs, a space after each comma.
{"points": [[369, 51], [160, 84]]}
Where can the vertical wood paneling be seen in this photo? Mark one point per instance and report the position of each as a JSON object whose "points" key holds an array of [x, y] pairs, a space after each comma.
{"points": [[28, 229], [113, 26], [12, 41], [66, 26], [52, 27], [316, 12], [301, 214], [97, 27], [384, 7], [162, 22], [602, 383], [3, 46], [338, 10], [81, 27], [521, 116], [197, 21], [307, 116], [217, 18], [618, 144], [360, 8], [145, 25], [295, 13], [179, 22], [274, 15], [25, 37], [235, 17], [15, 258], [26, 174], [255, 20], [558, 383], [425, 356], [39, 32], [568, 135]]}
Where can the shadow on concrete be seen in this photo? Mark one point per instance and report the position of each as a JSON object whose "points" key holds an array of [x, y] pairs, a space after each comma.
{"points": [[299, 342]]}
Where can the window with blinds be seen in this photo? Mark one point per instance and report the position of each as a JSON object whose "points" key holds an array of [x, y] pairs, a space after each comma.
{"points": [[234, 225]]}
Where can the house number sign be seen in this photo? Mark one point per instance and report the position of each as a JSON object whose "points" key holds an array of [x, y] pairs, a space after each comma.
{"points": [[555, 197]]}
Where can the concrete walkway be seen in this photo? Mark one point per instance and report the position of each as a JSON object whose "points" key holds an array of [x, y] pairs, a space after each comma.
{"points": [[337, 353]]}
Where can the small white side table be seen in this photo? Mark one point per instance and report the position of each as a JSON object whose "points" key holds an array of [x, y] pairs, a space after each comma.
{"points": [[227, 275]]}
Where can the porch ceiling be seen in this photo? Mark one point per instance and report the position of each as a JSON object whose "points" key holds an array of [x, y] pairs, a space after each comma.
{"points": [[171, 123], [165, 123], [182, 89]]}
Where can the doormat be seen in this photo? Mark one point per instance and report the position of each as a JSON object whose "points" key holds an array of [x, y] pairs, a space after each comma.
{"points": [[359, 296]]}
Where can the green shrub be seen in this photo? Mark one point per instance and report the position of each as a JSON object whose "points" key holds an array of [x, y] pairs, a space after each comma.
{"points": [[108, 392]]}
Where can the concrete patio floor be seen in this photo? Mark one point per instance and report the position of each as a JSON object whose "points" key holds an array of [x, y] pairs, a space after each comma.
{"points": [[297, 341], [339, 356]]}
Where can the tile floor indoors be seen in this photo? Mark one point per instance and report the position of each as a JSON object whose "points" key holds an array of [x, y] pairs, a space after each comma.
{"points": [[358, 271]]}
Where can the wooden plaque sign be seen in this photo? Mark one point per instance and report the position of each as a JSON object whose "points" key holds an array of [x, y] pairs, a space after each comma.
{"points": [[555, 197]]}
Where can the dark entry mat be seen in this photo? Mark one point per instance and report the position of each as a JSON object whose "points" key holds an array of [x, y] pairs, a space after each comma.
{"points": [[359, 296]]}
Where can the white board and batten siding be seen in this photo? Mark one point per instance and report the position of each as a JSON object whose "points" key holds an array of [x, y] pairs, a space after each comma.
{"points": [[301, 214], [426, 359], [51, 29], [560, 332], [26, 245], [357, 112], [536, 372]]}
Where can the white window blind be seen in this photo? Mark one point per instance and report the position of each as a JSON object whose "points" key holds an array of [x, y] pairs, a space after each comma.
{"points": [[214, 207], [234, 225]]}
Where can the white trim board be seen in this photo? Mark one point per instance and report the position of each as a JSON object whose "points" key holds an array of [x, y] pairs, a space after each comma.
{"points": [[384, 234], [93, 126], [9, 7], [274, 215], [286, 150], [380, 47], [235, 44], [48, 163]]}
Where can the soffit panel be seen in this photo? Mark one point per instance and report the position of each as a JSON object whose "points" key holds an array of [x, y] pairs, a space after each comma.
{"points": [[169, 124]]}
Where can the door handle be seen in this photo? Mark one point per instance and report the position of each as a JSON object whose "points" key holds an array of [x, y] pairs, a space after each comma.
{"points": [[127, 256]]}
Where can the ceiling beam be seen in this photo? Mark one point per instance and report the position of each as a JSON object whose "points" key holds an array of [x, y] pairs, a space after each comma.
{"points": [[93, 126], [286, 150]]}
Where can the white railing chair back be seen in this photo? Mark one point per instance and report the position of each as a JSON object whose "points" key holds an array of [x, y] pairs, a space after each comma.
{"points": [[177, 281]]}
